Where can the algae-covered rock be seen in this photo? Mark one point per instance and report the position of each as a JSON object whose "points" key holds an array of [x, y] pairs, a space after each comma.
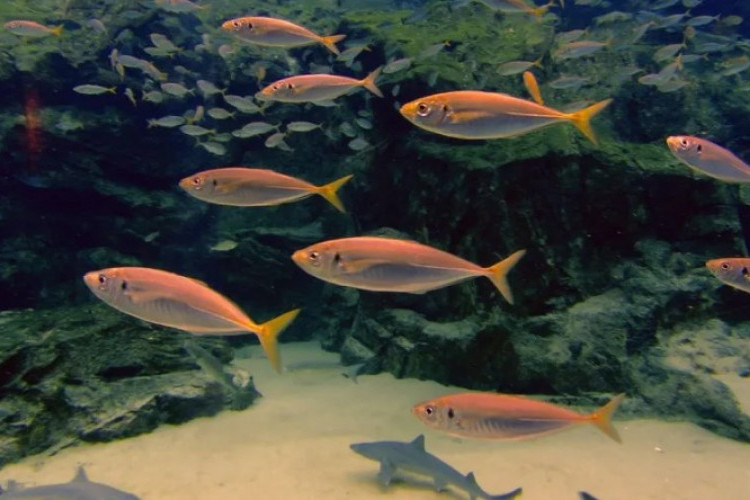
{"points": [[91, 374]]}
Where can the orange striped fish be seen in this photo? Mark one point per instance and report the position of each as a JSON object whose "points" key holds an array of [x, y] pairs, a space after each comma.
{"points": [[256, 187], [473, 114], [278, 33], [179, 302], [504, 416], [391, 265]]}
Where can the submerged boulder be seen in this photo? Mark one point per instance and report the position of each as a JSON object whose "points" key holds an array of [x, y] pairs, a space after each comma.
{"points": [[91, 374]]}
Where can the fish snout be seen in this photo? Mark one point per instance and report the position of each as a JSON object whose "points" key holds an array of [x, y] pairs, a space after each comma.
{"points": [[677, 143], [409, 110], [299, 257]]}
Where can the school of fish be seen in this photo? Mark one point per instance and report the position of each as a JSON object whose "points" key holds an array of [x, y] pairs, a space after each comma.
{"points": [[385, 264]]}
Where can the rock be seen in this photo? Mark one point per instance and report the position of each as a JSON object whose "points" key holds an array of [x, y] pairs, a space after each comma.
{"points": [[93, 374]]}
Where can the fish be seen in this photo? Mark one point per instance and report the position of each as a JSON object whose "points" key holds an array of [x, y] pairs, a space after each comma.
{"points": [[668, 52], [254, 128], [317, 87], [128, 92], [412, 457], [79, 488], [301, 126], [735, 65], [516, 67], [574, 50], [240, 395], [214, 148], [208, 88], [505, 416], [277, 141], [87, 89], [358, 144], [274, 32], [168, 299], [257, 187], [176, 89], [195, 130], [569, 82], [169, 121], [220, 114], [31, 29], [517, 7], [224, 246], [397, 65], [243, 104], [532, 87], [390, 265], [179, 6], [708, 158], [732, 271], [474, 114]]}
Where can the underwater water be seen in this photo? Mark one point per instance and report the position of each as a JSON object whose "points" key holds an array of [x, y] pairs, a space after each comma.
{"points": [[374, 248]]}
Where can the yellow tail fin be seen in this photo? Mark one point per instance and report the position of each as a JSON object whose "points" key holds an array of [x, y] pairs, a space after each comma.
{"points": [[602, 418], [498, 272], [56, 30], [582, 119], [541, 10], [369, 82], [329, 192], [268, 334], [330, 42]]}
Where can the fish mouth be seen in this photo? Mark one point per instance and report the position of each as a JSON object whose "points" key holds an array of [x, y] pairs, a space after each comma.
{"points": [[91, 279], [298, 257], [713, 265], [409, 110], [185, 183], [673, 142]]}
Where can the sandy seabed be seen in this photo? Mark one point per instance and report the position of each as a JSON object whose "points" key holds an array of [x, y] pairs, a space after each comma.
{"points": [[294, 444]]}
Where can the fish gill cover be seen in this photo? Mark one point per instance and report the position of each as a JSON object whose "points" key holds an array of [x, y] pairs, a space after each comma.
{"points": [[106, 106]]}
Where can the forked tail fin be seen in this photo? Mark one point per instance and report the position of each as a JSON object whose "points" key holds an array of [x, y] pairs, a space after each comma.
{"points": [[498, 272], [329, 192], [330, 42], [582, 119], [268, 334], [57, 30], [602, 418], [369, 82]]}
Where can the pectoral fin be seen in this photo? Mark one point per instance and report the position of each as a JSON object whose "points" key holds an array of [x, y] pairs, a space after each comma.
{"points": [[359, 265], [385, 475], [142, 296]]}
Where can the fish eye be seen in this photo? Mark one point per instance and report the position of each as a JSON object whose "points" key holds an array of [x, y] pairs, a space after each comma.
{"points": [[725, 266], [197, 181], [314, 258], [684, 143], [102, 279], [429, 410], [275, 86], [236, 24], [423, 109]]}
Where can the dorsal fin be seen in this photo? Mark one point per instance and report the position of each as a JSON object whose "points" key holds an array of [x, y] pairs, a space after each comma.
{"points": [[81, 476], [418, 442], [471, 479]]}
